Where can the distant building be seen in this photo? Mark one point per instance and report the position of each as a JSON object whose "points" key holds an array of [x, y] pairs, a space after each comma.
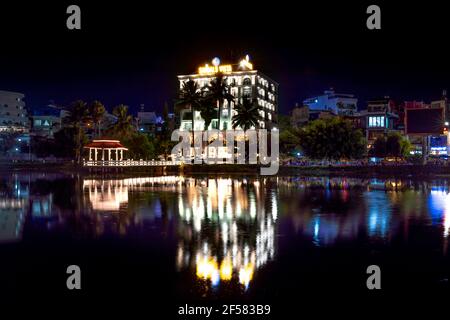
{"points": [[13, 114], [171, 122], [320, 114], [148, 122], [299, 116], [330, 101], [45, 126], [426, 126], [379, 119], [46, 121]]}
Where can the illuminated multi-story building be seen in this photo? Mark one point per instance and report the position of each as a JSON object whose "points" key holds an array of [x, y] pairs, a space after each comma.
{"points": [[13, 115], [244, 82], [379, 119]]}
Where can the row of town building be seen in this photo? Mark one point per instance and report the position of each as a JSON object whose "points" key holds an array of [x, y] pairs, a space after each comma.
{"points": [[424, 124], [43, 122]]}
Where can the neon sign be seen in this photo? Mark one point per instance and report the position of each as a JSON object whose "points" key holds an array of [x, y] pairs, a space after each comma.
{"points": [[226, 68], [245, 63], [207, 69]]}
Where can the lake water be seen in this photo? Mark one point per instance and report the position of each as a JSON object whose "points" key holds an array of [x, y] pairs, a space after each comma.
{"points": [[222, 239]]}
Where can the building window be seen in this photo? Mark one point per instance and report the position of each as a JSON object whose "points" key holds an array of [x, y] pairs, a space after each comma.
{"points": [[377, 122], [247, 82]]}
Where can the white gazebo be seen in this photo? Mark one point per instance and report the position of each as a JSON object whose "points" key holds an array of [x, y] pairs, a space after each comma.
{"points": [[105, 150]]}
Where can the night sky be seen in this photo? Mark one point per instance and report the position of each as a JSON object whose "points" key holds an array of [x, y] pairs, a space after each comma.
{"points": [[130, 52]]}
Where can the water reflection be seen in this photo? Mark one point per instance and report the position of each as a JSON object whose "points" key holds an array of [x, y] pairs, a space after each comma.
{"points": [[224, 231], [440, 208], [16, 203], [228, 229]]}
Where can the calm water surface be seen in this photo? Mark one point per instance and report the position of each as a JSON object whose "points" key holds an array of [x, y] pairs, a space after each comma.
{"points": [[212, 238]]}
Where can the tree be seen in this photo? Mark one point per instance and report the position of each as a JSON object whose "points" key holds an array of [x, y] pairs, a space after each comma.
{"points": [[139, 146], [190, 97], [289, 136], [397, 146], [78, 114], [123, 127], [67, 143], [394, 145], [207, 111], [331, 139], [164, 146], [219, 91], [378, 148], [289, 141], [97, 112], [284, 123], [405, 147], [247, 115]]}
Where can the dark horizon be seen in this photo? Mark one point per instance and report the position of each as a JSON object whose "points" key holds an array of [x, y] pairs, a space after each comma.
{"points": [[132, 55]]}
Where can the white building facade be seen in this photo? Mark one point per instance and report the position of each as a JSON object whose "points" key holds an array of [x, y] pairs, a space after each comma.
{"points": [[13, 114], [338, 103], [244, 82]]}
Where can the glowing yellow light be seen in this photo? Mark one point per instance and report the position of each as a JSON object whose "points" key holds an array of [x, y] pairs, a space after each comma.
{"points": [[245, 63], [207, 69], [226, 270], [246, 274], [206, 268]]}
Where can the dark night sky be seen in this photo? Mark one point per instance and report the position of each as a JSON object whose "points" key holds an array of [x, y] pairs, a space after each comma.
{"points": [[131, 53]]}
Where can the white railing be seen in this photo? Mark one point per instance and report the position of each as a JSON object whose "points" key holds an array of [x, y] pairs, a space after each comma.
{"points": [[130, 163]]}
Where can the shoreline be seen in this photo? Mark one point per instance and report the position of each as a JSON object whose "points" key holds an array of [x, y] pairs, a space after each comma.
{"points": [[382, 171]]}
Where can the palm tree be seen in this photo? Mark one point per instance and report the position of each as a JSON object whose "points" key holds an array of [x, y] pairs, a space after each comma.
{"points": [[124, 124], [219, 91], [77, 115], [190, 97], [207, 111], [247, 115], [97, 112]]}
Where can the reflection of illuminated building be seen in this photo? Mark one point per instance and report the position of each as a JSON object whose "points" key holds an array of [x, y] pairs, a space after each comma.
{"points": [[440, 209], [13, 208], [379, 213], [11, 221], [212, 237], [107, 195], [42, 207], [111, 195]]}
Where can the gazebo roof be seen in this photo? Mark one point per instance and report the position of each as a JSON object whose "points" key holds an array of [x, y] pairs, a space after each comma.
{"points": [[106, 144]]}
